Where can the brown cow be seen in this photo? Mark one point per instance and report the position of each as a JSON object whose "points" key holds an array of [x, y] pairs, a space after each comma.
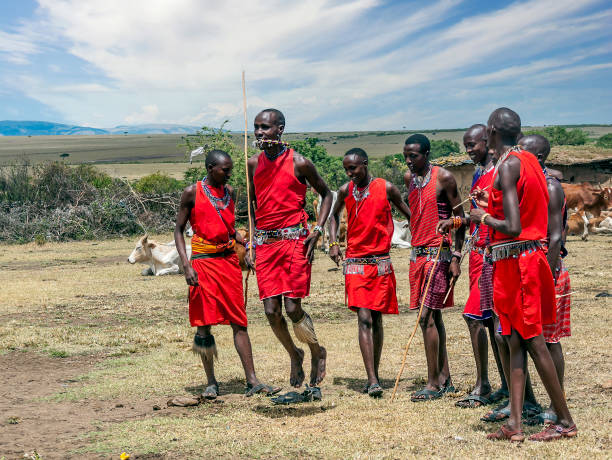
{"points": [[586, 198]]}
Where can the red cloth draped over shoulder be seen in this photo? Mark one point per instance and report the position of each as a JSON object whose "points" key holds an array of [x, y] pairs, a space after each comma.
{"points": [[218, 298], [279, 194], [473, 306], [426, 211], [524, 290], [282, 266], [369, 233]]}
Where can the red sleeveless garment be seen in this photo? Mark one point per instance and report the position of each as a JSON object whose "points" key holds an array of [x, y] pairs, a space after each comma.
{"points": [[369, 233], [426, 211], [473, 307], [282, 266], [280, 195], [218, 298], [523, 286]]}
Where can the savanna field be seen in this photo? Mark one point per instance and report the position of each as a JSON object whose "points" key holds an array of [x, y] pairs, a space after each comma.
{"points": [[91, 352]]}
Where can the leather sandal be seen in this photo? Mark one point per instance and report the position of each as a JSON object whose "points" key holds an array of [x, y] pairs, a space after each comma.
{"points": [[505, 433], [553, 432]]}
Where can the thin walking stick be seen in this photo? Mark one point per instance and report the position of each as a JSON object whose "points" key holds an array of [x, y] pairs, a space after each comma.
{"points": [[433, 269], [246, 165]]}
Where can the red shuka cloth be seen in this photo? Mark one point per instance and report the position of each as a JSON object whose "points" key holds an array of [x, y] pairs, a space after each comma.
{"points": [[282, 266], [473, 305], [524, 290], [218, 298], [369, 233], [426, 211]]}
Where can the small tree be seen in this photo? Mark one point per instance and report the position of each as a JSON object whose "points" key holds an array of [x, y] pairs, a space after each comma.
{"points": [[443, 147], [558, 135], [605, 141]]}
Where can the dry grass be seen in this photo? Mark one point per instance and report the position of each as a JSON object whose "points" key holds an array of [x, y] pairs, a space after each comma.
{"points": [[84, 298]]}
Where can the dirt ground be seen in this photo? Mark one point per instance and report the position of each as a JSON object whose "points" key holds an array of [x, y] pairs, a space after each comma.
{"points": [[91, 352]]}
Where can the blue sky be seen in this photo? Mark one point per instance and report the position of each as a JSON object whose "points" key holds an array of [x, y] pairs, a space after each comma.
{"points": [[328, 65]]}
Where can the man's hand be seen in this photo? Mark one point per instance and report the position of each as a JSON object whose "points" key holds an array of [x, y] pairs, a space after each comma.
{"points": [[476, 214], [455, 269], [444, 226], [247, 259], [311, 243], [481, 196], [191, 276], [335, 254]]}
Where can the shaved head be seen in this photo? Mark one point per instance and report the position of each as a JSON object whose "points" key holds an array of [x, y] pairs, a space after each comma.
{"points": [[536, 144], [506, 123], [215, 157], [476, 132]]}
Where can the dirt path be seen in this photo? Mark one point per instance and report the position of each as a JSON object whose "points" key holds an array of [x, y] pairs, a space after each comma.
{"points": [[52, 429]]}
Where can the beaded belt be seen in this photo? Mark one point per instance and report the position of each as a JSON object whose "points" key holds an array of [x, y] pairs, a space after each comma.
{"points": [[431, 253], [354, 265], [513, 249], [288, 233], [209, 255]]}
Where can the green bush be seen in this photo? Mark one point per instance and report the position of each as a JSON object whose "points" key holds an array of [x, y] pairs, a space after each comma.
{"points": [[558, 135], [605, 141], [158, 184], [443, 147]]}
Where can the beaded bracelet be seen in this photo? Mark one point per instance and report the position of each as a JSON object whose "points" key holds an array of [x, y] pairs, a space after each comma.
{"points": [[457, 222], [317, 228], [484, 216], [332, 244], [248, 245]]}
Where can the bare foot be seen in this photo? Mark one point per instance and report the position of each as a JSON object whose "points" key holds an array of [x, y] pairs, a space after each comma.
{"points": [[317, 369], [297, 371]]}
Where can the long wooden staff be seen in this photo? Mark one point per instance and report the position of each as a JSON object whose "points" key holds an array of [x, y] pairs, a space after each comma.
{"points": [[246, 166], [416, 325]]}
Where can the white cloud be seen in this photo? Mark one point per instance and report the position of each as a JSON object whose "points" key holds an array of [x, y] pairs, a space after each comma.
{"points": [[180, 61]]}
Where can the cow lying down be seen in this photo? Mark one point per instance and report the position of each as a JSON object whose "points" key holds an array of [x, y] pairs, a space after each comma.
{"points": [[161, 258]]}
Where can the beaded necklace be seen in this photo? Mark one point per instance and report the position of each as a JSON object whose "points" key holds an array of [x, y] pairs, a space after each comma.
{"points": [[360, 195], [420, 182], [515, 149], [219, 203], [274, 157]]}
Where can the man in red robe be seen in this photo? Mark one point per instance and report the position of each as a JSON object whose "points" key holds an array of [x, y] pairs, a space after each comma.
{"points": [[213, 274], [555, 252], [478, 312], [432, 196], [369, 277], [524, 296], [284, 251]]}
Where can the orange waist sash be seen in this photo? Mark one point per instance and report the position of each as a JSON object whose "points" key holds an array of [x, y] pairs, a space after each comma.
{"points": [[201, 246]]}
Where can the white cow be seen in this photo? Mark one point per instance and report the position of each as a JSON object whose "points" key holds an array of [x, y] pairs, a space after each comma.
{"points": [[605, 226], [401, 234], [162, 259]]}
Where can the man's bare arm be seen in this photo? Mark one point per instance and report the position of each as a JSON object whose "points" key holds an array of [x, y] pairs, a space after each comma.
{"points": [[555, 223], [395, 197], [334, 251], [186, 205], [449, 185]]}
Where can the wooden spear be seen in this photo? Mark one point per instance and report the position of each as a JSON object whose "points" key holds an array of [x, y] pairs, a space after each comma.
{"points": [[246, 164], [416, 325]]}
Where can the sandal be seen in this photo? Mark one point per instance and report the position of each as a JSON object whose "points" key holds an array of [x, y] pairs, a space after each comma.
{"points": [[375, 391], [472, 401], [293, 397], [498, 395], [530, 409], [448, 387], [211, 392], [426, 395], [505, 433], [542, 418], [261, 389], [553, 432], [501, 412]]}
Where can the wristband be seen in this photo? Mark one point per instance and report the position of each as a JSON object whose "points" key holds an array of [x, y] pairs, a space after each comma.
{"points": [[317, 228], [484, 216], [332, 244], [457, 222], [247, 245]]}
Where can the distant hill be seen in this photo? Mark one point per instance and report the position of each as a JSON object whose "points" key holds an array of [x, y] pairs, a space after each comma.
{"points": [[46, 128]]}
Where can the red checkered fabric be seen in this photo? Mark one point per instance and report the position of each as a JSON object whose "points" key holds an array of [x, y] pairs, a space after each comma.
{"points": [[561, 328]]}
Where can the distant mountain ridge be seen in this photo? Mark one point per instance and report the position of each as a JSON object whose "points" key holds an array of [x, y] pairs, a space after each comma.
{"points": [[47, 128]]}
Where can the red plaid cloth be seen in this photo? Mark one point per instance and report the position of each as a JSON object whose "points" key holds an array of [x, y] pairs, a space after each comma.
{"points": [[419, 274], [561, 328]]}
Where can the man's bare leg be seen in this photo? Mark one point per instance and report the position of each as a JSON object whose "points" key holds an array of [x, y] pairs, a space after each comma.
{"points": [[518, 374], [366, 343], [378, 336], [443, 369], [431, 341], [272, 307], [492, 324], [548, 374], [209, 368], [242, 343], [318, 354], [556, 353], [480, 347]]}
